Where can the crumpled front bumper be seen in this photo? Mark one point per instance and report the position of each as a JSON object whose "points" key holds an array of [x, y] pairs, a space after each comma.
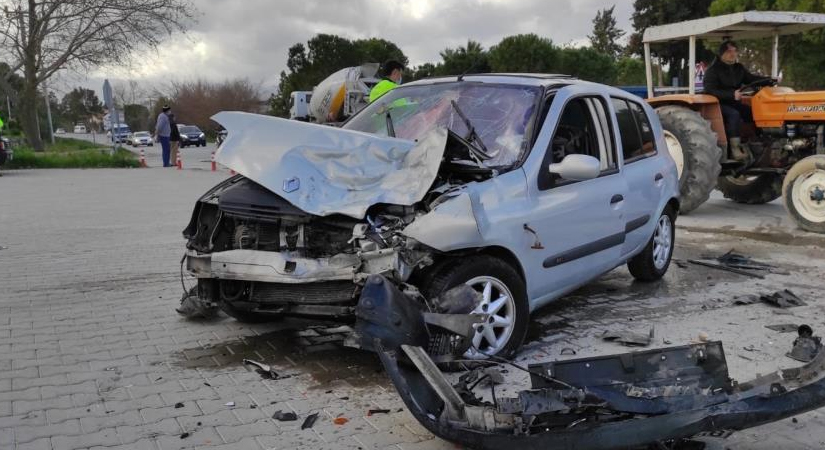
{"points": [[434, 403], [286, 267]]}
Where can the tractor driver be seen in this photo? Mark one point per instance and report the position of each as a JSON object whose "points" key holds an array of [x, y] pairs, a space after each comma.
{"points": [[724, 80]]}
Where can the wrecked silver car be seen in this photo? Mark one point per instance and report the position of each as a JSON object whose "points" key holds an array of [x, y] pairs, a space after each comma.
{"points": [[521, 188]]}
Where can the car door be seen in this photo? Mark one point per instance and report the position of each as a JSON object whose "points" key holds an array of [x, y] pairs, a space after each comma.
{"points": [[579, 223], [643, 172]]}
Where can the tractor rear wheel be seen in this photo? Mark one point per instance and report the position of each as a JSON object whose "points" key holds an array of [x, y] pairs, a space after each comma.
{"points": [[751, 189], [804, 193], [692, 144]]}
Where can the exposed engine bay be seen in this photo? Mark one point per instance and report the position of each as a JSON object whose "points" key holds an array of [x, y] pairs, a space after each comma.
{"points": [[254, 252]]}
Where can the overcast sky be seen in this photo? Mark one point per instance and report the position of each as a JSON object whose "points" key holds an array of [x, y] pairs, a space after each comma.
{"points": [[250, 38]]}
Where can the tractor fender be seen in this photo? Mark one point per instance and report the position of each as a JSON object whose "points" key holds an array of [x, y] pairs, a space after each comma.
{"points": [[706, 105]]}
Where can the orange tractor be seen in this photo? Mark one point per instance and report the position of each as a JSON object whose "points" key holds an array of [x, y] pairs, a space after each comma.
{"points": [[785, 142]]}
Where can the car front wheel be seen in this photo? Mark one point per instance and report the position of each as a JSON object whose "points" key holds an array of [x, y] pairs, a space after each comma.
{"points": [[652, 263], [502, 295]]}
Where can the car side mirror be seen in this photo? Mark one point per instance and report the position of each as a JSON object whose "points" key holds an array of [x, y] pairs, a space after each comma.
{"points": [[577, 167]]}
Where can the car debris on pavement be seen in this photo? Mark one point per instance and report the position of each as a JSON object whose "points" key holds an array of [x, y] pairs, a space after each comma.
{"points": [[629, 338], [658, 396], [806, 346]]}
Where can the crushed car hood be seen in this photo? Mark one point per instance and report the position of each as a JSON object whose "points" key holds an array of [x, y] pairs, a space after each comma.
{"points": [[324, 170]]}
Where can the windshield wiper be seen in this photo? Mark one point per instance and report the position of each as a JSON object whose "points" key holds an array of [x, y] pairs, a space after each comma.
{"points": [[481, 149], [390, 126]]}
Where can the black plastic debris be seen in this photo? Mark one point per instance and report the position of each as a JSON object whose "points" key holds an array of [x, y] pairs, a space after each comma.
{"points": [[178, 405], [783, 327], [288, 416], [265, 370], [738, 261], [629, 338], [720, 266], [782, 299], [806, 346], [309, 422], [185, 435], [377, 411]]}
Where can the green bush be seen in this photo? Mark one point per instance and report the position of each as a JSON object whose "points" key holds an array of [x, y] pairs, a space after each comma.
{"points": [[71, 154]]}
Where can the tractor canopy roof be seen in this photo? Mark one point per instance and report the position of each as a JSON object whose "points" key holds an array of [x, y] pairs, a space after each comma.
{"points": [[742, 25]]}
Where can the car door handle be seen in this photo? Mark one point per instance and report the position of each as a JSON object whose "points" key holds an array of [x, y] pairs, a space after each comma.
{"points": [[616, 199], [658, 177]]}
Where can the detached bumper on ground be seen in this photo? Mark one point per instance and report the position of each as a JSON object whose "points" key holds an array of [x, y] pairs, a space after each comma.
{"points": [[609, 402]]}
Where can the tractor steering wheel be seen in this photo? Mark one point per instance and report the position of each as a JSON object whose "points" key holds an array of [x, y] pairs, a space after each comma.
{"points": [[752, 88]]}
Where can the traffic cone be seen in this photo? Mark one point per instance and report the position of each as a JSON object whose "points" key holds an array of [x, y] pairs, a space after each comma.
{"points": [[214, 165], [179, 162], [142, 158]]}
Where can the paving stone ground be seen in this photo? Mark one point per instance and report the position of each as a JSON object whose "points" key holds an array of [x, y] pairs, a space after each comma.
{"points": [[92, 354]]}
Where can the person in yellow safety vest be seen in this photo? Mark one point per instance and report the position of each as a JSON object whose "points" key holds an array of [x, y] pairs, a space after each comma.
{"points": [[392, 71]]}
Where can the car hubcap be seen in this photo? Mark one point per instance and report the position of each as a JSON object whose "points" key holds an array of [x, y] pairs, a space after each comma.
{"points": [[662, 242], [496, 300], [675, 150], [809, 196]]}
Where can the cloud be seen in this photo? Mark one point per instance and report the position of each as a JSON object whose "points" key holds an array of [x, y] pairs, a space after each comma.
{"points": [[250, 39]]}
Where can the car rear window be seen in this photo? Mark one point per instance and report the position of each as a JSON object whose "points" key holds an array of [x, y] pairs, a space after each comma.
{"points": [[636, 133]]}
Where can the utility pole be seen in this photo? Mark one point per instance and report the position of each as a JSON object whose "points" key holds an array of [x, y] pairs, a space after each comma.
{"points": [[48, 112]]}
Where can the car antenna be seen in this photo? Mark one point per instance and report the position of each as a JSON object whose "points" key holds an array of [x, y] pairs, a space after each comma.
{"points": [[461, 77]]}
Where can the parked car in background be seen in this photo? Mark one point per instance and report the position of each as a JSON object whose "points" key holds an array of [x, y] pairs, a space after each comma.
{"points": [[80, 129], [521, 187], [60, 131], [191, 135], [120, 134], [139, 138]]}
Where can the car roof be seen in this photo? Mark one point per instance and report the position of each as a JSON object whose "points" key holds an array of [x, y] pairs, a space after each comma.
{"points": [[526, 79], [529, 79]]}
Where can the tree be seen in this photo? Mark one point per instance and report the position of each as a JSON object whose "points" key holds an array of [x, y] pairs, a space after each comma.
{"points": [[588, 64], [648, 13], [379, 51], [323, 55], [136, 116], [527, 53], [78, 104], [195, 102], [630, 71], [606, 33], [41, 37], [470, 58]]}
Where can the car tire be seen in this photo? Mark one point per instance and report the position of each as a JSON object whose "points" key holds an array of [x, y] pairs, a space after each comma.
{"points": [[652, 263], [805, 180], [479, 272], [697, 155], [751, 189]]}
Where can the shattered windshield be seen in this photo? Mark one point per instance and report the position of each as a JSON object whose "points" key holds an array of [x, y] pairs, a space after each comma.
{"points": [[500, 114]]}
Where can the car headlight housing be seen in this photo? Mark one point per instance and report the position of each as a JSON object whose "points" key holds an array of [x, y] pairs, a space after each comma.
{"points": [[201, 136]]}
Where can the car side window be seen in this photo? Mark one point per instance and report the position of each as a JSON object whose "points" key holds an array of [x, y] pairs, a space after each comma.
{"points": [[583, 129], [635, 131]]}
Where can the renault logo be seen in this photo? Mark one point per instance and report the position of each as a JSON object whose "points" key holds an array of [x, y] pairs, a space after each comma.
{"points": [[292, 184]]}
